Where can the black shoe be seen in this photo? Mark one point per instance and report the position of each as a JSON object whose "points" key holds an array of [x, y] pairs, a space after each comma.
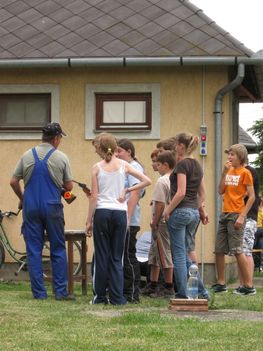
{"points": [[217, 288], [149, 289], [65, 298], [244, 291]]}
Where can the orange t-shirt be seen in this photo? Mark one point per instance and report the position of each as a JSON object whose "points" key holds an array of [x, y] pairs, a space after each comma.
{"points": [[236, 182]]}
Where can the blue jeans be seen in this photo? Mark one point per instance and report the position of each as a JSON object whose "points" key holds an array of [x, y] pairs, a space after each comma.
{"points": [[182, 223]]}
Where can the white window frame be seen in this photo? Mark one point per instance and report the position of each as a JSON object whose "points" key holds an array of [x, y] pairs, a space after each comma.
{"points": [[90, 109], [31, 89]]}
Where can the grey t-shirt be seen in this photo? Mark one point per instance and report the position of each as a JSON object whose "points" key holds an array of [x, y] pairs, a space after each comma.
{"points": [[161, 192], [194, 174], [58, 165]]}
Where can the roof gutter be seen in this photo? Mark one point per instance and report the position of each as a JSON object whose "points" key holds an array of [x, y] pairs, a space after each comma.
{"points": [[218, 131], [130, 61], [34, 63]]}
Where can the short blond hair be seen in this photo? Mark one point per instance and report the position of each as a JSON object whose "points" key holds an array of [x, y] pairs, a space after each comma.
{"points": [[241, 152]]}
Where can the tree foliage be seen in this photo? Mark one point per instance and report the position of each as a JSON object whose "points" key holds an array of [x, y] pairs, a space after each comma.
{"points": [[257, 130]]}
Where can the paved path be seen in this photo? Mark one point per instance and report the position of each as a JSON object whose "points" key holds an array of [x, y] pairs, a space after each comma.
{"points": [[211, 315]]}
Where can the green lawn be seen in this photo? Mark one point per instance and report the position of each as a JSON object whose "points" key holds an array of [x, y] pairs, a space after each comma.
{"points": [[28, 324]]}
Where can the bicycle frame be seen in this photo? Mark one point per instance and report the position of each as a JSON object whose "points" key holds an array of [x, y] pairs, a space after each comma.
{"points": [[21, 257], [6, 243]]}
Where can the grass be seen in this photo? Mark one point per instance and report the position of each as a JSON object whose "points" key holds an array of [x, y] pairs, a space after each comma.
{"points": [[27, 324]]}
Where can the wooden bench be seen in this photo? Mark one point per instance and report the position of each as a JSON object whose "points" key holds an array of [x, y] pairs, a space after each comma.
{"points": [[70, 237]]}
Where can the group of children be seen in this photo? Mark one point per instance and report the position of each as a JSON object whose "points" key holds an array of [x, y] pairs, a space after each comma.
{"points": [[177, 209]]}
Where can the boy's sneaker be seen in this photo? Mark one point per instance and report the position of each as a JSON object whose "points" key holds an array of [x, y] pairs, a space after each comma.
{"points": [[244, 291], [218, 288], [148, 290], [237, 290]]}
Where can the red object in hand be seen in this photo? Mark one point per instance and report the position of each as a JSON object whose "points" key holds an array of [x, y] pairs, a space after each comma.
{"points": [[68, 196]]}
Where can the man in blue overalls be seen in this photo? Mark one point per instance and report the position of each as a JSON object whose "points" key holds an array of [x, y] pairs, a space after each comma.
{"points": [[45, 171]]}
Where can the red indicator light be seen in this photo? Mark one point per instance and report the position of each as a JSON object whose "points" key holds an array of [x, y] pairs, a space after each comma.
{"points": [[203, 137]]}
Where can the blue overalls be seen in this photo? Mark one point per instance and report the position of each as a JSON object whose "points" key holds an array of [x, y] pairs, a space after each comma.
{"points": [[43, 210]]}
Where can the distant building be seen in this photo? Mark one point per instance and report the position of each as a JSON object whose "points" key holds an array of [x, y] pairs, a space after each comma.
{"points": [[247, 140]]}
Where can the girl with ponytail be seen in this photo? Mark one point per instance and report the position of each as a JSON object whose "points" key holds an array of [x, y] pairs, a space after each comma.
{"points": [[185, 210], [107, 218]]}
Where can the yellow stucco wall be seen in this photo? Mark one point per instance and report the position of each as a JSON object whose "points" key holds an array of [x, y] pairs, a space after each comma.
{"points": [[187, 100]]}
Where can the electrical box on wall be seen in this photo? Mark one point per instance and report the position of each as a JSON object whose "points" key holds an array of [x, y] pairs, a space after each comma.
{"points": [[203, 140]]}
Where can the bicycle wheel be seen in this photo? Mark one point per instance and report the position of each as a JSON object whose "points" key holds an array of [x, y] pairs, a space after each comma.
{"points": [[76, 257], [46, 262], [2, 254]]}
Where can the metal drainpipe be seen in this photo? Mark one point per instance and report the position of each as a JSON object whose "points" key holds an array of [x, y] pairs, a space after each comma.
{"points": [[218, 132]]}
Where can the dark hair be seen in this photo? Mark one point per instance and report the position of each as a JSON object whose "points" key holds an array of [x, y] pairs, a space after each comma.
{"points": [[167, 157], [47, 138], [127, 145]]}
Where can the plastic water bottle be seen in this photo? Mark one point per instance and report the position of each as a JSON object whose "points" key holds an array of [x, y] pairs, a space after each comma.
{"points": [[192, 285]]}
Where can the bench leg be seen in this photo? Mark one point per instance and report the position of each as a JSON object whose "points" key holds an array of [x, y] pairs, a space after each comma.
{"points": [[84, 248]]}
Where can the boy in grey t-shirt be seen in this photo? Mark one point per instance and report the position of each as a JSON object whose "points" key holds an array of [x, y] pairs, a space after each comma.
{"points": [[160, 252]]}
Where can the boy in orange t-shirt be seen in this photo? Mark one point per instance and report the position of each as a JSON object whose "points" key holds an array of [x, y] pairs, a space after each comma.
{"points": [[236, 182]]}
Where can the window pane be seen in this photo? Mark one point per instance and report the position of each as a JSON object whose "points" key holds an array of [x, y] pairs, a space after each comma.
{"points": [[14, 113], [117, 111], [113, 111], [135, 112], [21, 111], [36, 112]]}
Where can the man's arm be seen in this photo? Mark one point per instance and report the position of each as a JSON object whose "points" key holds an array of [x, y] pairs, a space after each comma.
{"points": [[68, 185], [15, 184]]}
